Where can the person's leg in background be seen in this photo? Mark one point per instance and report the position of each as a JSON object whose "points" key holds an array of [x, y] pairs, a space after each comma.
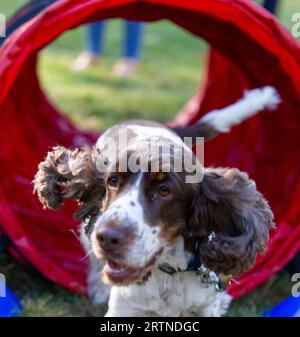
{"points": [[131, 49], [271, 5], [94, 47]]}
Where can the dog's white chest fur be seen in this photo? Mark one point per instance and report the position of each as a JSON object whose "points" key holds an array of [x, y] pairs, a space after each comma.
{"points": [[182, 294]]}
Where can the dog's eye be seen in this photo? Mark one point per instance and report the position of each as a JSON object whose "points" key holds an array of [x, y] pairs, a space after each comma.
{"points": [[164, 190], [113, 181]]}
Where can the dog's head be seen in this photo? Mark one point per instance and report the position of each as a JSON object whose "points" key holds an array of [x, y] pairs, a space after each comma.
{"points": [[140, 214]]}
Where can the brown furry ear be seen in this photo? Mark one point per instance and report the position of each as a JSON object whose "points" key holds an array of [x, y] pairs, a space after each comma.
{"points": [[235, 218], [66, 174]]}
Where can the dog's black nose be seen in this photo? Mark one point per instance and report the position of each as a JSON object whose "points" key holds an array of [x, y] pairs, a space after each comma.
{"points": [[110, 238]]}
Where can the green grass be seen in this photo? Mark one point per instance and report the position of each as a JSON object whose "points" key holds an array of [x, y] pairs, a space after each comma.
{"points": [[97, 100], [171, 69]]}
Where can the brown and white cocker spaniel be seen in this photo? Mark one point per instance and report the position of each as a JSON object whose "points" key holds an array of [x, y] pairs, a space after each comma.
{"points": [[161, 232]]}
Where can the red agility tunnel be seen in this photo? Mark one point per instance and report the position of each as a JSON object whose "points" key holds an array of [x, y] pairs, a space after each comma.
{"points": [[250, 49]]}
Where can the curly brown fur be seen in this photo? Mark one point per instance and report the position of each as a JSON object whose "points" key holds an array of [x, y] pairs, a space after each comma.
{"points": [[230, 208], [66, 174]]}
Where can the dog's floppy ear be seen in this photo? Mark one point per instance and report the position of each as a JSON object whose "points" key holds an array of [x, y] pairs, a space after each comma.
{"points": [[234, 217], [66, 174]]}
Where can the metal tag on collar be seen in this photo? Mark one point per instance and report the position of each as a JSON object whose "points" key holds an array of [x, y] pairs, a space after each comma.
{"points": [[209, 278], [204, 276]]}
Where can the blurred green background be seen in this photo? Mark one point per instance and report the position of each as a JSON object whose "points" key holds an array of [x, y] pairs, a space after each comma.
{"points": [[172, 67]]}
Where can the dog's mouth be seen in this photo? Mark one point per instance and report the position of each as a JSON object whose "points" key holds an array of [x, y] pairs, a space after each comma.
{"points": [[118, 273]]}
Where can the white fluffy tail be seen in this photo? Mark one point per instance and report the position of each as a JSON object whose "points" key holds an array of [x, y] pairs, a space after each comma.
{"points": [[253, 101]]}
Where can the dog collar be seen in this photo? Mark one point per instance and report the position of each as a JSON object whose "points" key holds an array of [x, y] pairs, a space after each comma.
{"points": [[207, 277]]}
